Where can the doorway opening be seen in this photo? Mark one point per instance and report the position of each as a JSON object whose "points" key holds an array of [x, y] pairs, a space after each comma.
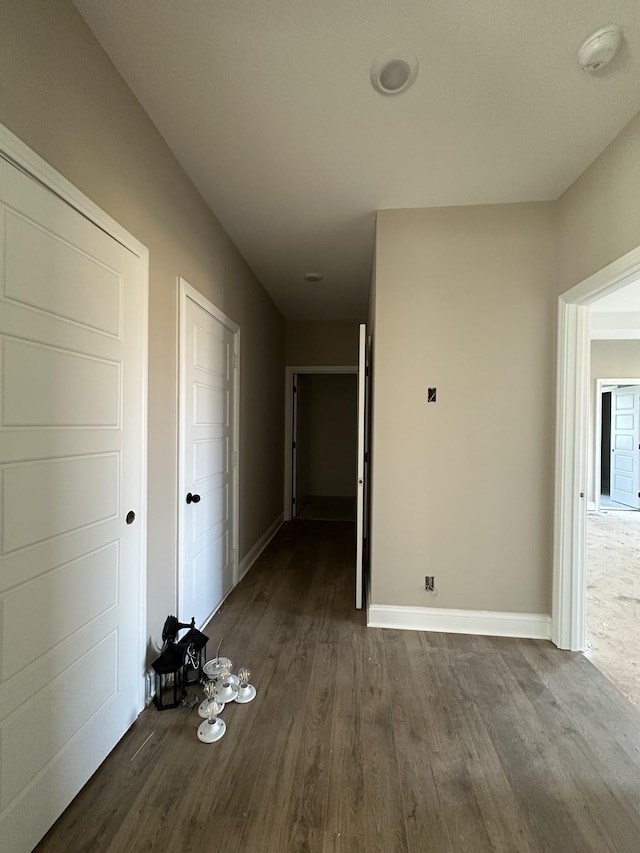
{"points": [[572, 442], [324, 446], [612, 549], [617, 446]]}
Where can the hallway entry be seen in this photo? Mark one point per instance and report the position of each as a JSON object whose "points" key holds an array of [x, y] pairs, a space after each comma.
{"points": [[324, 446]]}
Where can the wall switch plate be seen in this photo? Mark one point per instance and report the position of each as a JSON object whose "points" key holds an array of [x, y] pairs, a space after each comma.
{"points": [[431, 395], [430, 583]]}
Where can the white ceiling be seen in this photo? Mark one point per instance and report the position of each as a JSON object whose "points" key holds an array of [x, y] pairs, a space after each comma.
{"points": [[268, 106]]}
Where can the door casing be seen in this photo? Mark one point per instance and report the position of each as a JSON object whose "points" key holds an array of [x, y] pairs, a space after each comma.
{"points": [[571, 469]]}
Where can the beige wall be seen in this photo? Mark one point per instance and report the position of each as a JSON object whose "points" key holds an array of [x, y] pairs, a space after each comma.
{"points": [[62, 96], [321, 344], [330, 413], [609, 360], [465, 302], [599, 216]]}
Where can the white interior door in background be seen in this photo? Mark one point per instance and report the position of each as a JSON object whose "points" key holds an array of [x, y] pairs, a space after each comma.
{"points": [[72, 468], [361, 504], [625, 443], [209, 346]]}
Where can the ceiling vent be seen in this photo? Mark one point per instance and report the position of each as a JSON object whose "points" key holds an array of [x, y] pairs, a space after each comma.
{"points": [[600, 48]]}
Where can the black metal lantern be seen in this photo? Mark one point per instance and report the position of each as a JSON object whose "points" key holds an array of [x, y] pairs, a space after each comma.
{"points": [[170, 677], [195, 646]]}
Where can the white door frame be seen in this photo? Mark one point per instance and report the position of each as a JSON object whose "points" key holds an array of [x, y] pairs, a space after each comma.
{"points": [[186, 291], [572, 415], [362, 474], [602, 385], [20, 155], [288, 421]]}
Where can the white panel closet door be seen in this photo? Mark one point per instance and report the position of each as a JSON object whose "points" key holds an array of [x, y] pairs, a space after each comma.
{"points": [[625, 443], [71, 450], [208, 411]]}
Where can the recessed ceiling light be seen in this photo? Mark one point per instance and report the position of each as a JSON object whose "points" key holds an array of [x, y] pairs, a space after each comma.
{"points": [[392, 74], [313, 277]]}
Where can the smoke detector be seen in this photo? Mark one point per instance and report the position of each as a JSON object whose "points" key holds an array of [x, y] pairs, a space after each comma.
{"points": [[600, 48]]}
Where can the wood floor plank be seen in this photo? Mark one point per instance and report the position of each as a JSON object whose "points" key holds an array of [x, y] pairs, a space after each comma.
{"points": [[424, 813], [345, 812], [596, 707], [273, 790], [604, 794], [367, 739], [444, 708], [385, 828], [554, 805], [309, 801]]}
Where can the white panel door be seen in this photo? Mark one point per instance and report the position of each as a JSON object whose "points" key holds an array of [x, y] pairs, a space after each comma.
{"points": [[71, 468], [625, 442], [208, 388], [361, 466]]}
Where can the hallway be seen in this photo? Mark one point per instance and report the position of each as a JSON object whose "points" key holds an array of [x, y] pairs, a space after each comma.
{"points": [[368, 739]]}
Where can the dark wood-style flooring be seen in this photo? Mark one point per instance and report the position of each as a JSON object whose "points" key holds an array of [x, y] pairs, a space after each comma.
{"points": [[369, 739]]}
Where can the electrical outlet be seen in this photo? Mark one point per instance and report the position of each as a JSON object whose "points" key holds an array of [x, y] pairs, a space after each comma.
{"points": [[430, 583]]}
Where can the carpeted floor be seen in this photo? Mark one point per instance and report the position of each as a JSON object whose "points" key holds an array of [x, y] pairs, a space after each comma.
{"points": [[613, 598]]}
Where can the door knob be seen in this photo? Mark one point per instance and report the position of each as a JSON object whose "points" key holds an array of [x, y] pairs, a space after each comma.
{"points": [[193, 498]]}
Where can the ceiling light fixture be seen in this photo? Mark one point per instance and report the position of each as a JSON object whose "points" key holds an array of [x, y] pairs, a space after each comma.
{"points": [[600, 48], [313, 277], [392, 74]]}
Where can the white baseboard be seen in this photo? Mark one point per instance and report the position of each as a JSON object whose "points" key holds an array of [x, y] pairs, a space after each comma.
{"points": [[251, 556], [535, 626]]}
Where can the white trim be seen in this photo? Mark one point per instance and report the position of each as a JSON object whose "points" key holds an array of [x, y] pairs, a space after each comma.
{"points": [[288, 417], [572, 416], [360, 474], [186, 291], [252, 555], [33, 165], [36, 167], [627, 334], [535, 626]]}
